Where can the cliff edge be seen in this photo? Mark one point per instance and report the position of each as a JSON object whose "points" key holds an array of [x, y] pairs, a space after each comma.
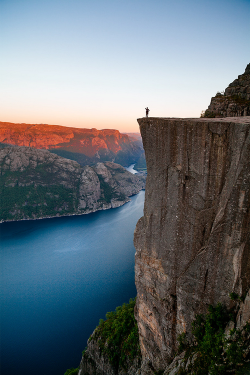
{"points": [[193, 242]]}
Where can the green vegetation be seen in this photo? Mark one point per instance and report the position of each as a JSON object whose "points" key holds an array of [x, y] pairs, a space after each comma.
{"points": [[19, 201], [39, 192], [214, 352], [123, 158], [236, 297], [209, 114], [218, 94], [79, 158], [106, 189], [108, 192], [236, 99], [239, 100], [72, 371], [209, 333], [117, 337]]}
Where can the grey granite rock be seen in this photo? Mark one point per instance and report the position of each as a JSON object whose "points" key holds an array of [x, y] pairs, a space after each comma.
{"points": [[176, 365], [244, 312], [193, 242], [94, 362], [235, 101]]}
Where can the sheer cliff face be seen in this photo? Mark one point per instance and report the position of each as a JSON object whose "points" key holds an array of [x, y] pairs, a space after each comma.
{"points": [[192, 244]]}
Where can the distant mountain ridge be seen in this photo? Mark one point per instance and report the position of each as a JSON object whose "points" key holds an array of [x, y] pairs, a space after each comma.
{"points": [[86, 146]]}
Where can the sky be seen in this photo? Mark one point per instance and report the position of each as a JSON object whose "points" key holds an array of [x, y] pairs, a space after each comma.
{"points": [[99, 63]]}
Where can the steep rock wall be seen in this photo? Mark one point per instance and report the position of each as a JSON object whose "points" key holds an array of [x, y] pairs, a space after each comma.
{"points": [[235, 101], [192, 244]]}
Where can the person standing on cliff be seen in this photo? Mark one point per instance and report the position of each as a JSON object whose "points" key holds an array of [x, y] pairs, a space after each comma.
{"points": [[147, 110]]}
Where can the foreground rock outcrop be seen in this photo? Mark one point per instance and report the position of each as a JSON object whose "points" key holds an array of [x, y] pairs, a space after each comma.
{"points": [[86, 146], [113, 348], [235, 101], [193, 242], [36, 183]]}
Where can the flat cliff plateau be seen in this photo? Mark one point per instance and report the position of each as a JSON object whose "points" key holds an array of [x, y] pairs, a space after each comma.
{"points": [[86, 146], [193, 242], [37, 183]]}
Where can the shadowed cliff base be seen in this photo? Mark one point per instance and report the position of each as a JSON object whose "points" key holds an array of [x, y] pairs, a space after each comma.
{"points": [[192, 244]]}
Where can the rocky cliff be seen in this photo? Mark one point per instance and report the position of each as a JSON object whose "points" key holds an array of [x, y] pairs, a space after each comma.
{"points": [[192, 263], [36, 183], [86, 146], [113, 348], [193, 242], [235, 101]]}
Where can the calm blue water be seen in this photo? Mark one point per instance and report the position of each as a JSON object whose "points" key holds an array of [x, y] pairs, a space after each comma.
{"points": [[58, 278]]}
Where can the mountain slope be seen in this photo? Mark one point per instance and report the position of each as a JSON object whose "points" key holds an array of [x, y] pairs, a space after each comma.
{"points": [[235, 101], [36, 183]]}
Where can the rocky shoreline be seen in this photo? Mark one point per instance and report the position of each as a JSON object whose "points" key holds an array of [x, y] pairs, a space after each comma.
{"points": [[109, 206]]}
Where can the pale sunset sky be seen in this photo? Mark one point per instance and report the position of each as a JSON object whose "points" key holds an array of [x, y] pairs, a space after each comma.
{"points": [[99, 63]]}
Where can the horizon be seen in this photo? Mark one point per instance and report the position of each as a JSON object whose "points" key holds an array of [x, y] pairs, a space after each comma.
{"points": [[99, 64]]}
